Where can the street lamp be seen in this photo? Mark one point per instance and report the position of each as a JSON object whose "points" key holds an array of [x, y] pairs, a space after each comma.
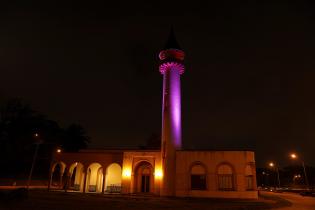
{"points": [[36, 135], [273, 165], [294, 156]]}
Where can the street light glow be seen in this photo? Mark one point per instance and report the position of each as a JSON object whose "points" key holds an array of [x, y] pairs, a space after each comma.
{"points": [[293, 156], [58, 150], [271, 164]]}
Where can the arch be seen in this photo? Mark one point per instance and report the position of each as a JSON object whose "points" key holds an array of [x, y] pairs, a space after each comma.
{"points": [[113, 178], [61, 164], [57, 173], [225, 169], [143, 177], [249, 177], [76, 176], [198, 176], [94, 178], [225, 174]]}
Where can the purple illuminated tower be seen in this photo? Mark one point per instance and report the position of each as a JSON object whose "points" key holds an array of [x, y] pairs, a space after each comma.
{"points": [[171, 67]]}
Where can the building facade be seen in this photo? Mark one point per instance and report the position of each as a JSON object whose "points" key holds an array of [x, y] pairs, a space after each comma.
{"points": [[171, 171]]}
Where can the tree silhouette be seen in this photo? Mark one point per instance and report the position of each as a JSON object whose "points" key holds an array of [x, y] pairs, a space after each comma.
{"points": [[18, 124], [75, 138]]}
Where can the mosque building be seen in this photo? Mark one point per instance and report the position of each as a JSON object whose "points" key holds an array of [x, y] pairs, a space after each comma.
{"points": [[170, 171]]}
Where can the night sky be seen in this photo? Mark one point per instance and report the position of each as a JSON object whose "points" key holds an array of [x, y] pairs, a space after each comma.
{"points": [[249, 80]]}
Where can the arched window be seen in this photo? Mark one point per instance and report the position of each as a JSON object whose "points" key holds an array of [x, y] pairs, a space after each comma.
{"points": [[225, 177], [249, 178], [198, 177]]}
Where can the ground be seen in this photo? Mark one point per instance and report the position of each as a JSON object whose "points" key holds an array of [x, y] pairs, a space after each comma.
{"points": [[40, 199], [297, 202]]}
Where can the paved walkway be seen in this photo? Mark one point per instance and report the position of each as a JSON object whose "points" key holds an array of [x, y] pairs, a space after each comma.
{"points": [[298, 202]]}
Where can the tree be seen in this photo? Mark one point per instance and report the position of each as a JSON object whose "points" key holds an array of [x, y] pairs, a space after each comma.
{"points": [[75, 138], [18, 124]]}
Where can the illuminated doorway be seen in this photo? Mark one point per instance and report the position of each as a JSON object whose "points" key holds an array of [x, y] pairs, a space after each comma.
{"points": [[144, 182]]}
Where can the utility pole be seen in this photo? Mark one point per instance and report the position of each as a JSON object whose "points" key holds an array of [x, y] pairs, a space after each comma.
{"points": [[33, 162]]}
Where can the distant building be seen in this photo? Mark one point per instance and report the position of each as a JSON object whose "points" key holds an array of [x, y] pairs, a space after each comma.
{"points": [[171, 171]]}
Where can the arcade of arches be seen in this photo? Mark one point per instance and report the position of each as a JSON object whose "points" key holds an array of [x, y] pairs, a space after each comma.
{"points": [[90, 179]]}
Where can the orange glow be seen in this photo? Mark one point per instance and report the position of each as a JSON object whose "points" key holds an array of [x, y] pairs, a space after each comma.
{"points": [[293, 156], [58, 150], [127, 172], [158, 173], [271, 164]]}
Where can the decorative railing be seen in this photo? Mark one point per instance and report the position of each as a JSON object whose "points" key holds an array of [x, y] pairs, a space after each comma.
{"points": [[113, 189]]}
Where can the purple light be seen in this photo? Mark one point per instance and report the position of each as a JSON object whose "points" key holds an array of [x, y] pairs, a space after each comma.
{"points": [[172, 103], [165, 66], [171, 67]]}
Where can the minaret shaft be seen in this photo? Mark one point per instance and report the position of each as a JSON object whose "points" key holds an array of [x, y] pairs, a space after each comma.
{"points": [[171, 127], [171, 117]]}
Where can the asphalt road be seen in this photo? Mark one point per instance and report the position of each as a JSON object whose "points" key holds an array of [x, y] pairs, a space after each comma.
{"points": [[298, 202]]}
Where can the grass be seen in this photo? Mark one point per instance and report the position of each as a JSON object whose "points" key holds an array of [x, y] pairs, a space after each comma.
{"points": [[43, 200]]}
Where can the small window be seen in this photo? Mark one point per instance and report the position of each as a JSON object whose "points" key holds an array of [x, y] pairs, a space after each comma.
{"points": [[198, 182], [225, 182], [225, 178], [249, 183], [249, 178], [198, 178]]}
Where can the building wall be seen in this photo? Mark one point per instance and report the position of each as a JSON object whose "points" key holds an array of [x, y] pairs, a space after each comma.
{"points": [[211, 160]]}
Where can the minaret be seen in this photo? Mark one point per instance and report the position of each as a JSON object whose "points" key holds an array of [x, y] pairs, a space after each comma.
{"points": [[171, 68]]}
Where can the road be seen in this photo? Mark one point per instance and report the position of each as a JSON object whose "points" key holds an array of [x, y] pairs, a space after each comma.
{"points": [[298, 202]]}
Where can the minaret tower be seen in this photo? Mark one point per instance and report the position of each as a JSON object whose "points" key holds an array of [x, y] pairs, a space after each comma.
{"points": [[171, 68]]}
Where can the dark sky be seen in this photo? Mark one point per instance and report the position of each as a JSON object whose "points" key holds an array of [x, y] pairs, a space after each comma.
{"points": [[249, 80]]}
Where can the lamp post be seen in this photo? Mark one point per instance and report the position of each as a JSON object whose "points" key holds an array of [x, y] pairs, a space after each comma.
{"points": [[294, 156], [272, 165], [36, 135]]}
